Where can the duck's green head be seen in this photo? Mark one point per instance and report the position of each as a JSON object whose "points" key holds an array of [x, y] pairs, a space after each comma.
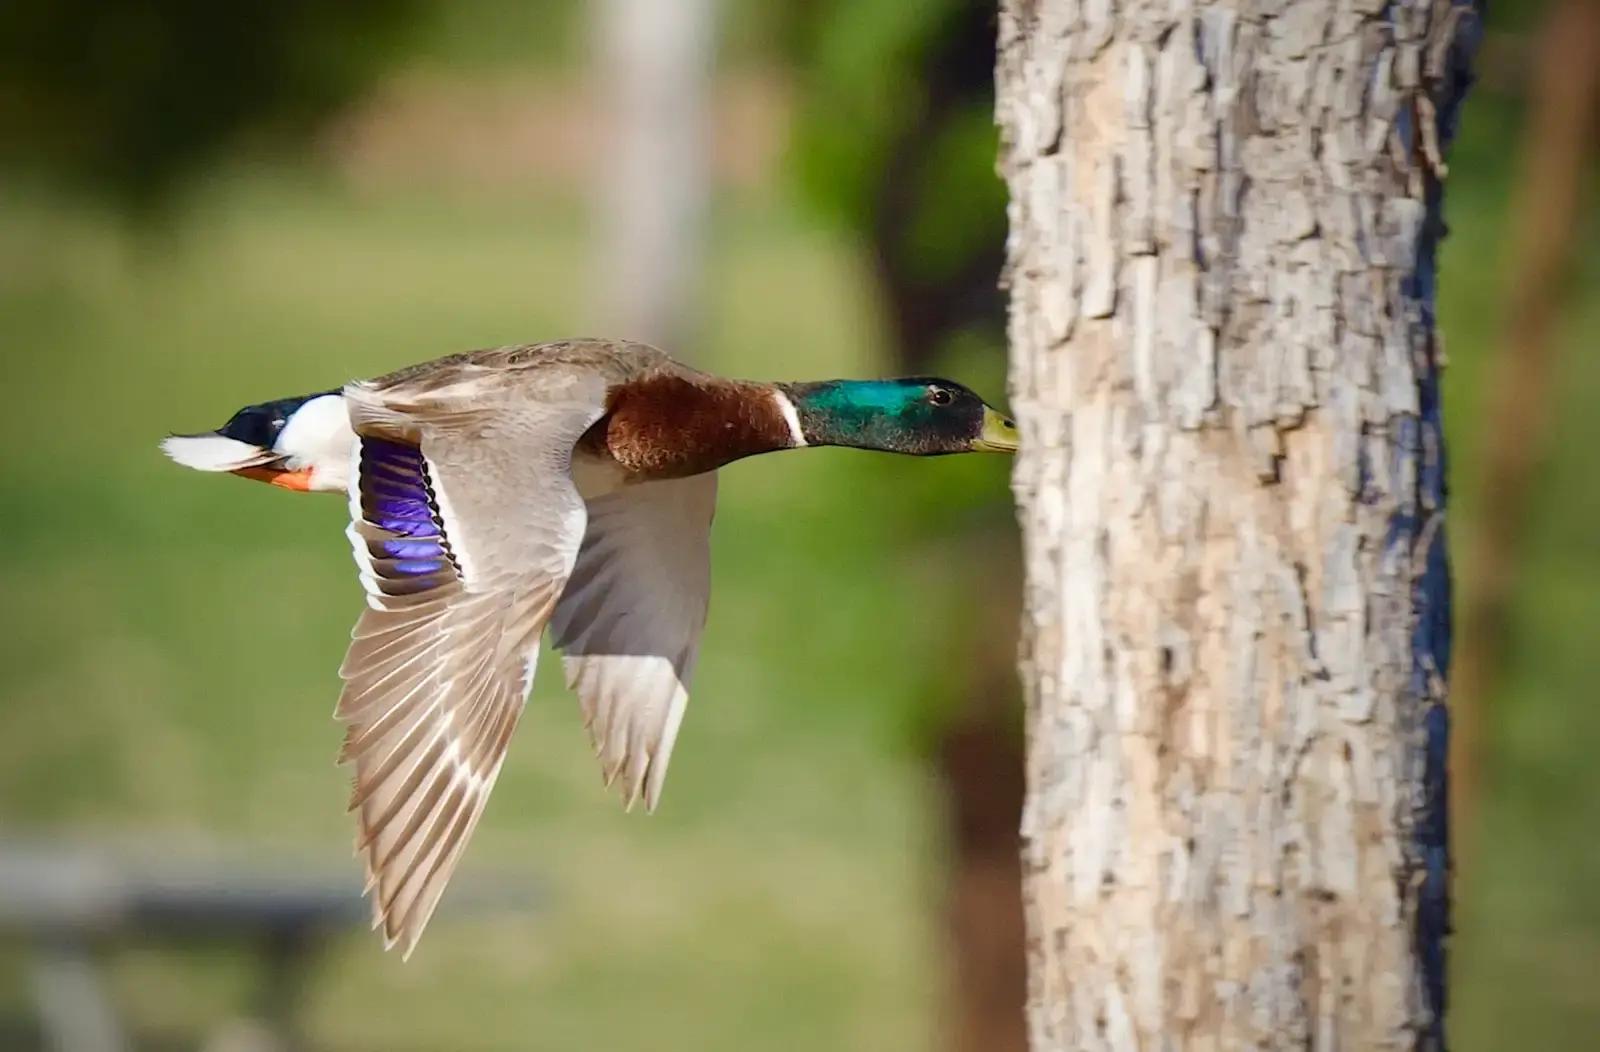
{"points": [[920, 415]]}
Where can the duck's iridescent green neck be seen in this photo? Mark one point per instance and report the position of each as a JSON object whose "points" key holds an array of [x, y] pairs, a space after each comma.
{"points": [[920, 415]]}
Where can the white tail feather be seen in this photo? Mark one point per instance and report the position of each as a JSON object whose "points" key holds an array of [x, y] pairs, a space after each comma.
{"points": [[214, 452]]}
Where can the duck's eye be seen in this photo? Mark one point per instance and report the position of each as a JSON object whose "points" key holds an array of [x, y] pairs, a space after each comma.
{"points": [[940, 396]]}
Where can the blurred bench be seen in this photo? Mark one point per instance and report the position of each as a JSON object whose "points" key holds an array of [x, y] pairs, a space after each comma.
{"points": [[69, 903]]}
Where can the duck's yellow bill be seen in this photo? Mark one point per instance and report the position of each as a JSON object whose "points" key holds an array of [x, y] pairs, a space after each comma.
{"points": [[999, 434]]}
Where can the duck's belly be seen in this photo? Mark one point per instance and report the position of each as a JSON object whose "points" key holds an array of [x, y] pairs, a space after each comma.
{"points": [[596, 474]]}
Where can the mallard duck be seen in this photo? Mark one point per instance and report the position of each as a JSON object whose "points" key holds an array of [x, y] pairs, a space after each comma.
{"points": [[498, 493]]}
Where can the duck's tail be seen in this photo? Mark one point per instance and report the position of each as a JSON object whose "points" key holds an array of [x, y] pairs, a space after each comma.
{"points": [[302, 443]]}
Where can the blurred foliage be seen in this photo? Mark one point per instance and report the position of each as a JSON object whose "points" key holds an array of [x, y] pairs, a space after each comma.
{"points": [[857, 90], [128, 97], [896, 125], [485, 37], [895, 143]]}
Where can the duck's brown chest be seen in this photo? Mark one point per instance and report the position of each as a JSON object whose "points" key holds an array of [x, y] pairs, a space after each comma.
{"points": [[670, 427]]}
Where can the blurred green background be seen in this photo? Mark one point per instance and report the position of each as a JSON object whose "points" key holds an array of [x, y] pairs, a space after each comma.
{"points": [[169, 640]]}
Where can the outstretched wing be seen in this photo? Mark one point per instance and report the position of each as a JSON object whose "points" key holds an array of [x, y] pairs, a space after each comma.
{"points": [[465, 527], [630, 619]]}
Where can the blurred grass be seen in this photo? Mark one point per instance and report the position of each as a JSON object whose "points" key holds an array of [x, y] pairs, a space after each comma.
{"points": [[169, 640]]}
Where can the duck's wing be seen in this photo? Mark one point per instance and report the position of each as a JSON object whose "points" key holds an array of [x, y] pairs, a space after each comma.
{"points": [[524, 369], [629, 623], [465, 525]]}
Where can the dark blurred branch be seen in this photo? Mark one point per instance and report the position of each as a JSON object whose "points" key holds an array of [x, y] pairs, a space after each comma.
{"points": [[1505, 62], [979, 759], [932, 292], [132, 98], [955, 74], [1546, 220]]}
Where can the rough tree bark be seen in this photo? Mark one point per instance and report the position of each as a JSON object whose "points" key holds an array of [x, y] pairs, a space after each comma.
{"points": [[1223, 229]]}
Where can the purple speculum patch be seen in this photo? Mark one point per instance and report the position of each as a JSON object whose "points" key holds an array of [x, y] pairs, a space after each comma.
{"points": [[395, 496]]}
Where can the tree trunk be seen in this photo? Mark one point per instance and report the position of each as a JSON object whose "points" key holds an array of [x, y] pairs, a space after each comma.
{"points": [[1236, 627], [653, 64]]}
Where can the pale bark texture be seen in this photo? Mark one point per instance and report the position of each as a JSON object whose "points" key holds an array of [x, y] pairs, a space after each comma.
{"points": [[1236, 631]]}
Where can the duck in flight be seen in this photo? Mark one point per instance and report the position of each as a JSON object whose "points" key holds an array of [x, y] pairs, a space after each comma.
{"points": [[497, 494]]}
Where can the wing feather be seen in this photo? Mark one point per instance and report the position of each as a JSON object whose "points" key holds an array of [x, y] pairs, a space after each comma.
{"points": [[462, 561], [629, 623]]}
